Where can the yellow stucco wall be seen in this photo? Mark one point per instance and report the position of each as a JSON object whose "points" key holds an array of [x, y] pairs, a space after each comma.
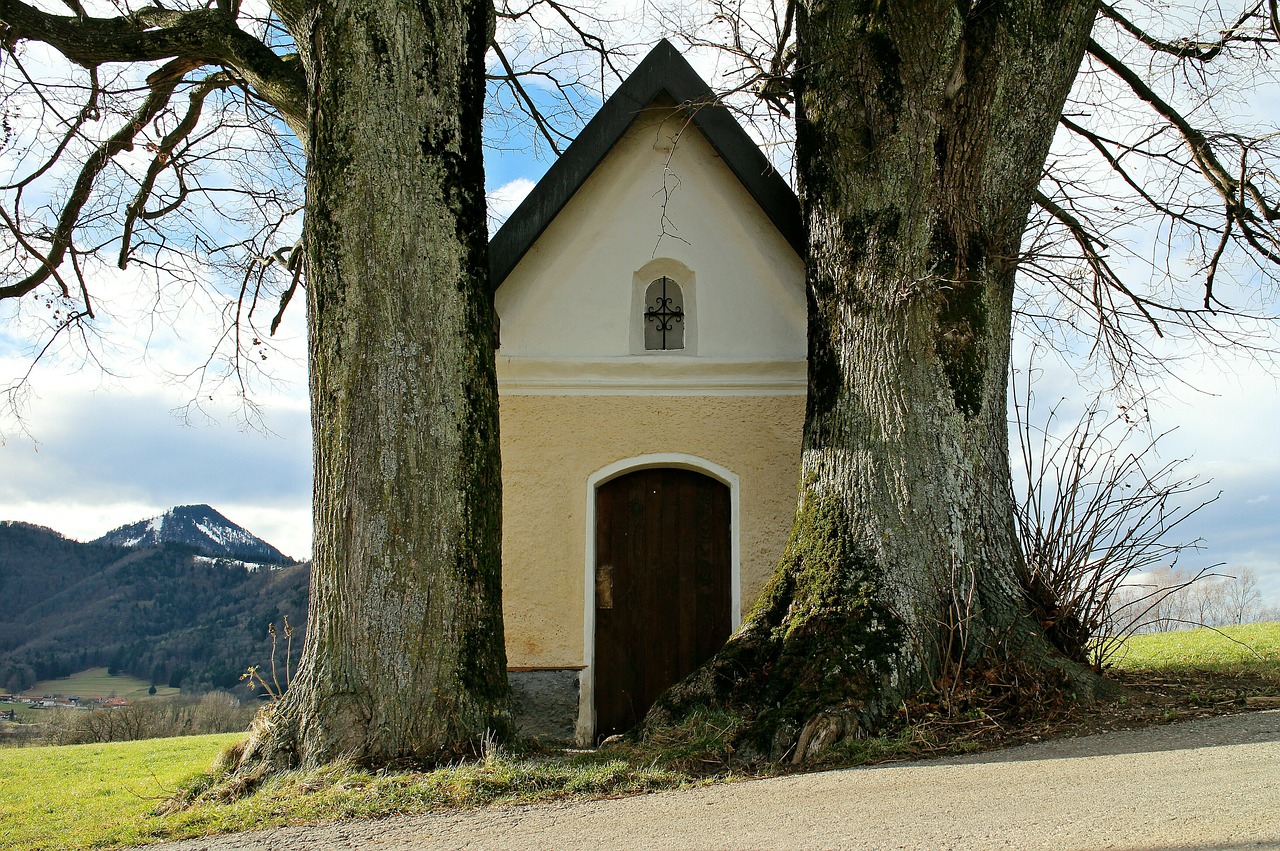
{"points": [[552, 444]]}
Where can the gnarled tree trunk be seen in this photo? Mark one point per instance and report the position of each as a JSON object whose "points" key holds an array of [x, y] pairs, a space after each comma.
{"points": [[404, 658], [922, 131]]}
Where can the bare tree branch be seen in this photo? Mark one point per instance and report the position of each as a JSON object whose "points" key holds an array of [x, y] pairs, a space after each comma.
{"points": [[1093, 250], [553, 137], [163, 158], [153, 33], [1202, 151], [1188, 48], [162, 83], [89, 112]]}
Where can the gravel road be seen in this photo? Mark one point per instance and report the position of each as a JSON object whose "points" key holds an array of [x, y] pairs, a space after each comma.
{"points": [[1211, 784]]}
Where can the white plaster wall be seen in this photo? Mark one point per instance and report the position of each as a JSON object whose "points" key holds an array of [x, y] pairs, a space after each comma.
{"points": [[651, 208]]}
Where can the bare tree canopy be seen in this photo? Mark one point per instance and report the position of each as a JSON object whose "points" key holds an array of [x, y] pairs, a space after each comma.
{"points": [[1156, 211], [156, 153], [172, 150]]}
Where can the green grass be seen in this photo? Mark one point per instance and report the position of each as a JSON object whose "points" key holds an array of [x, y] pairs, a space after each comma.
{"points": [[82, 796], [95, 682], [1252, 648], [339, 791], [107, 796]]}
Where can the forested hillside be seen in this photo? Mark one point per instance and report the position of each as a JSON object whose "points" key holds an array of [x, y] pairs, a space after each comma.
{"points": [[168, 614]]}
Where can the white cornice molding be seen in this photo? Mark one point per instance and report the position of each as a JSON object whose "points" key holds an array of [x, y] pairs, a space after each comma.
{"points": [[650, 375]]}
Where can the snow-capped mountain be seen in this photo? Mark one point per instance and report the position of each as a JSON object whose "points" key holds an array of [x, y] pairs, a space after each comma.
{"points": [[198, 526]]}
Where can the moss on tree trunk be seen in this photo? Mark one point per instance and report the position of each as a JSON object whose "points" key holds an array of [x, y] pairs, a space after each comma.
{"points": [[922, 129], [404, 658], [823, 604]]}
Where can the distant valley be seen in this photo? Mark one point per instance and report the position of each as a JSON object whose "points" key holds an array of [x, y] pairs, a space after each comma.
{"points": [[183, 600]]}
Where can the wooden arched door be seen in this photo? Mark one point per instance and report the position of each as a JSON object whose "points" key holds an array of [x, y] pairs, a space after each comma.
{"points": [[663, 573]]}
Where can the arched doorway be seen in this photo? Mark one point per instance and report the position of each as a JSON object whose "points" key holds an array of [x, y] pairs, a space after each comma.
{"points": [[663, 554]]}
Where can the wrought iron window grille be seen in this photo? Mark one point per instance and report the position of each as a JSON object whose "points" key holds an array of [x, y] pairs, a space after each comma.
{"points": [[664, 310]]}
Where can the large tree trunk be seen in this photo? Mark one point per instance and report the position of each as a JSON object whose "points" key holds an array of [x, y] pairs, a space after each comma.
{"points": [[922, 131], [404, 658]]}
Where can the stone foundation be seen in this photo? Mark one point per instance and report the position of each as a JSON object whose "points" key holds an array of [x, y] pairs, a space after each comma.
{"points": [[545, 703]]}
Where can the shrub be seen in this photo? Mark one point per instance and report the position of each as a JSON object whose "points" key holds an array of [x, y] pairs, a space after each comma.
{"points": [[215, 712], [1094, 515]]}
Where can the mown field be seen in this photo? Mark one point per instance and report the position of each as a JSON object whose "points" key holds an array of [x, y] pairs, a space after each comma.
{"points": [[106, 796], [95, 682], [86, 796], [1251, 648]]}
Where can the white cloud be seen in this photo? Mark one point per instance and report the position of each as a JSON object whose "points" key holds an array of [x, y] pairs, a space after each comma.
{"points": [[504, 200], [105, 459]]}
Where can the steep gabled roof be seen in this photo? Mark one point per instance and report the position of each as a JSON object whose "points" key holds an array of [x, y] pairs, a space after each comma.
{"points": [[663, 70]]}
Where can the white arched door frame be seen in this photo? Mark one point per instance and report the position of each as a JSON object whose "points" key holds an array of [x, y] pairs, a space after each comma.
{"points": [[586, 730]]}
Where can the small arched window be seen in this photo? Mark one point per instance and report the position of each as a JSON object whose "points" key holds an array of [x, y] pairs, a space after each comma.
{"points": [[663, 316]]}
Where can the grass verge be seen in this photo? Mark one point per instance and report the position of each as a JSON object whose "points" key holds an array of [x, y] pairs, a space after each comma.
{"points": [[341, 791], [113, 795]]}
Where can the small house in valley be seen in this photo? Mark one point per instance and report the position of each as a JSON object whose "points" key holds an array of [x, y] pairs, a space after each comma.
{"points": [[651, 373]]}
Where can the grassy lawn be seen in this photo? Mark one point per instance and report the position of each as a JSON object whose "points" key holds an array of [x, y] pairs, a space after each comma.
{"points": [[106, 796], [82, 796], [1252, 648], [95, 682]]}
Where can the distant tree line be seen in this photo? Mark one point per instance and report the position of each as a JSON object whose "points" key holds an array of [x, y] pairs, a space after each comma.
{"points": [[214, 712], [1181, 599]]}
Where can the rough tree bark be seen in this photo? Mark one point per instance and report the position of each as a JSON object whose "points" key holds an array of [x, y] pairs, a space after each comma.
{"points": [[404, 658], [922, 130]]}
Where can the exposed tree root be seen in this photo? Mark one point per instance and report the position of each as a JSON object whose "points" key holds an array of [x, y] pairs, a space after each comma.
{"points": [[820, 643], [823, 660]]}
